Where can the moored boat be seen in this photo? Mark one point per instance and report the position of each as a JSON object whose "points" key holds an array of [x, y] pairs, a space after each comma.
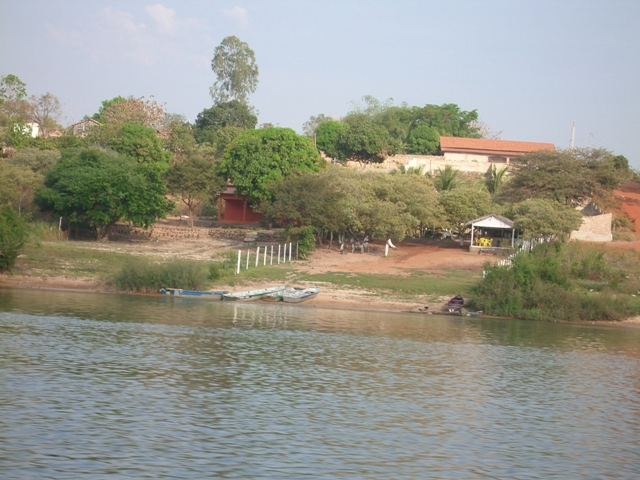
{"points": [[299, 295], [455, 304], [250, 295], [179, 292], [467, 313]]}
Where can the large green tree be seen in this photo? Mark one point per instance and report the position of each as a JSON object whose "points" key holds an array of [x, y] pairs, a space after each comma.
{"points": [[326, 138], [141, 143], [98, 188], [259, 157], [539, 217], [366, 142], [223, 122], [463, 204], [234, 64], [194, 180]]}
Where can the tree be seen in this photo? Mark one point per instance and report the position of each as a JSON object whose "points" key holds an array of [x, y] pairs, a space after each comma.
{"points": [[446, 179], [564, 176], [180, 140], [309, 127], [17, 185], [13, 235], [140, 143], [234, 64], [45, 111], [194, 180], [464, 204], [538, 217], [39, 161], [99, 116], [223, 122], [423, 140], [365, 142], [495, 179], [97, 188], [12, 88], [326, 138], [259, 157]]}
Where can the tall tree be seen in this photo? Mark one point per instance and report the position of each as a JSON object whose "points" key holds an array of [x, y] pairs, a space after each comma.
{"points": [[326, 138], [464, 204], [45, 110], [366, 142], [538, 217], [141, 143], [12, 88], [260, 157], [234, 64]]}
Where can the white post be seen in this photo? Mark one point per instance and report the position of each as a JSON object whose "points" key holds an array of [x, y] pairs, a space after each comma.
{"points": [[239, 256], [290, 250], [248, 255], [271, 255], [257, 255], [386, 250], [284, 254], [278, 254], [265, 256], [513, 238], [472, 228]]}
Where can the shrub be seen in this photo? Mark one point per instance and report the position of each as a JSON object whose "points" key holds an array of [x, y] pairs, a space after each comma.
{"points": [[144, 275], [13, 235], [305, 237]]}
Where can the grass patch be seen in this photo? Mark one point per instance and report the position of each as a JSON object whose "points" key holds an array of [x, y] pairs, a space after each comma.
{"points": [[144, 275], [625, 237], [458, 281]]}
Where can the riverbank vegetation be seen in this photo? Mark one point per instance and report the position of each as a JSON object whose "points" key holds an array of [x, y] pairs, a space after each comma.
{"points": [[559, 281]]}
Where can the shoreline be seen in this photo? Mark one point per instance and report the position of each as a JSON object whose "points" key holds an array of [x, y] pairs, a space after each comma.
{"points": [[318, 302]]}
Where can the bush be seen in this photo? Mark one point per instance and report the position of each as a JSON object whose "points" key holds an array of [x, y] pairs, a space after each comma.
{"points": [[144, 275], [556, 282], [13, 235], [305, 237]]}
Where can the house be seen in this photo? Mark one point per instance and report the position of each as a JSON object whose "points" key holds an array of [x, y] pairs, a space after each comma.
{"points": [[82, 127], [234, 209], [474, 155]]}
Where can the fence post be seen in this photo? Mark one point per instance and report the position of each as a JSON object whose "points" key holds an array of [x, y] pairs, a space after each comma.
{"points": [[290, 251], [284, 254], [297, 248], [257, 255], [386, 250], [248, 255], [239, 256], [265, 256], [271, 263], [278, 254]]}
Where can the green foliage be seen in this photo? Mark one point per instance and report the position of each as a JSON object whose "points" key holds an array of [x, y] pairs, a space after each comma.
{"points": [[326, 138], [227, 114], [234, 64], [565, 176], [194, 180], [141, 143], [446, 179], [539, 217], [464, 204], [495, 179], [18, 135], [39, 161], [12, 88], [423, 140], [144, 275], [13, 235], [17, 185], [546, 285], [260, 157], [180, 138], [97, 188], [338, 199], [305, 237], [365, 142], [99, 115]]}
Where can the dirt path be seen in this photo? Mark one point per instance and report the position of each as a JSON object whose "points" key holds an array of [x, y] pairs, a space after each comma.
{"points": [[629, 196]]}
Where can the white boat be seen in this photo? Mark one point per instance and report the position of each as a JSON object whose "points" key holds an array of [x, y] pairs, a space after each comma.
{"points": [[249, 295], [277, 296], [297, 296]]}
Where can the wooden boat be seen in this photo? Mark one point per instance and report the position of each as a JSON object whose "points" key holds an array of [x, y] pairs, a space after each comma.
{"points": [[455, 304], [250, 295], [179, 292], [297, 295]]}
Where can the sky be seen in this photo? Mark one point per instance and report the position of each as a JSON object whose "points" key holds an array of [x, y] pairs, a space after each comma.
{"points": [[530, 68]]}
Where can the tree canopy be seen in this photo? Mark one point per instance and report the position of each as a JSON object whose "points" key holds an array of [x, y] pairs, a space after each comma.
{"points": [[223, 122], [463, 204], [13, 235], [259, 157], [539, 217], [234, 64], [140, 143], [97, 188]]}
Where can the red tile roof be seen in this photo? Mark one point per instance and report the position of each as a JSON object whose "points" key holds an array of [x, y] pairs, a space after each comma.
{"points": [[483, 146]]}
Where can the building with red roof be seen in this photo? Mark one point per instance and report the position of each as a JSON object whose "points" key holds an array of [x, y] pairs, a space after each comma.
{"points": [[483, 150]]}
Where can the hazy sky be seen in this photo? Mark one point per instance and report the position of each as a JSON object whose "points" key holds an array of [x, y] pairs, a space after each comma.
{"points": [[530, 68]]}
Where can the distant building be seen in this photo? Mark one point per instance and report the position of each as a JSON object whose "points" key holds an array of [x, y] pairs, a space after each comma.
{"points": [[81, 128]]}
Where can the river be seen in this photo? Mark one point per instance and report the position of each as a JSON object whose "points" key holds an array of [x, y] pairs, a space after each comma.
{"points": [[120, 386]]}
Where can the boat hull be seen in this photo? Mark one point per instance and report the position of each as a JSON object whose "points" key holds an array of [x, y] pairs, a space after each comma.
{"points": [[300, 295], [178, 292], [251, 295]]}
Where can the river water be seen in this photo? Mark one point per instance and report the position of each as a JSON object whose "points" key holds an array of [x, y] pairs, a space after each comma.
{"points": [[105, 385]]}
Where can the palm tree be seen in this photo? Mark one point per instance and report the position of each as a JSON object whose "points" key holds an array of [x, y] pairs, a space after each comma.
{"points": [[446, 179], [495, 179], [410, 170]]}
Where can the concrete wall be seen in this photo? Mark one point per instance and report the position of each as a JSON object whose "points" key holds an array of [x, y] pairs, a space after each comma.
{"points": [[594, 229]]}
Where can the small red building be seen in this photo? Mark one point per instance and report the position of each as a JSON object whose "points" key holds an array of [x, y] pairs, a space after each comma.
{"points": [[234, 209]]}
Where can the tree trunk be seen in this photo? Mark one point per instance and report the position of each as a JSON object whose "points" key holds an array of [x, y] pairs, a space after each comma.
{"points": [[103, 232]]}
